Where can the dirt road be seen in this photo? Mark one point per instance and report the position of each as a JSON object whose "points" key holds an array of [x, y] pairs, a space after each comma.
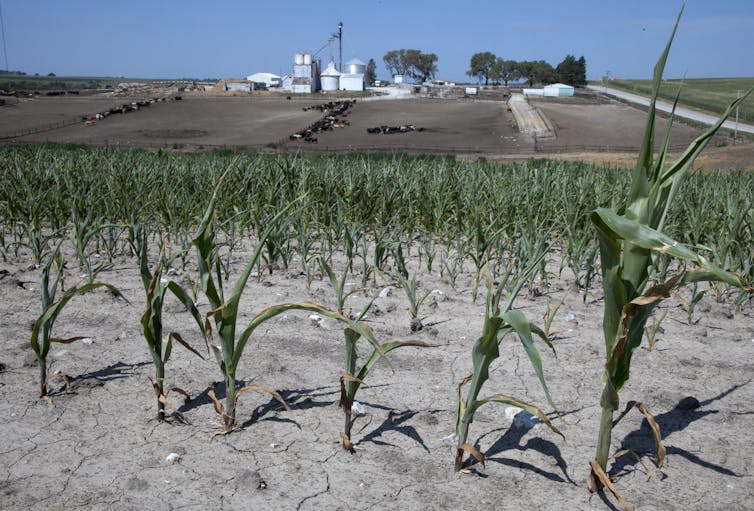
{"points": [[666, 106]]}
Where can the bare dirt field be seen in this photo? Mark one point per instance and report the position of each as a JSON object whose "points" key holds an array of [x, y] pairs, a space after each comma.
{"points": [[99, 446], [606, 126], [587, 128]]}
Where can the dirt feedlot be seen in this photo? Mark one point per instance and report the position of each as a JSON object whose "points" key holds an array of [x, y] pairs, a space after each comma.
{"points": [[255, 122], [453, 126]]}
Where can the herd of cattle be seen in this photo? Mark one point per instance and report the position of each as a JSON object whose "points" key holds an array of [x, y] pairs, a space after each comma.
{"points": [[389, 130], [125, 108], [333, 111]]}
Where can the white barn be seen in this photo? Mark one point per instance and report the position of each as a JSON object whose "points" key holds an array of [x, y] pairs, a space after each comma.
{"points": [[558, 90], [269, 79]]}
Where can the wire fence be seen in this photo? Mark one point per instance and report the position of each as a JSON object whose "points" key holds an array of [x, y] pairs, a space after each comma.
{"points": [[286, 146]]}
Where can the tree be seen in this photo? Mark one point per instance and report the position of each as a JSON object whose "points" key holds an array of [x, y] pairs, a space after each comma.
{"points": [[572, 71], [395, 62], [412, 63], [371, 73], [536, 71], [505, 71], [481, 66], [424, 67]]}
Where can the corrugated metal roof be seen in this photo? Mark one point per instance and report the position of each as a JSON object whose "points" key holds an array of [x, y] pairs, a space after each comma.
{"points": [[355, 61]]}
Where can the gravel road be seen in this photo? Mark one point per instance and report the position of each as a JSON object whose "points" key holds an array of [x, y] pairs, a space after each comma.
{"points": [[666, 106]]}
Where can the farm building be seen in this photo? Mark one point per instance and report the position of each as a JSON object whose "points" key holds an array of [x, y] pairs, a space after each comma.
{"points": [[558, 90], [353, 77], [305, 76], [237, 85], [269, 79]]}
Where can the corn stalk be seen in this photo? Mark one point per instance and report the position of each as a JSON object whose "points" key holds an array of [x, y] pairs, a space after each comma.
{"points": [[499, 321], [354, 330], [41, 334], [628, 240], [224, 311], [159, 345]]}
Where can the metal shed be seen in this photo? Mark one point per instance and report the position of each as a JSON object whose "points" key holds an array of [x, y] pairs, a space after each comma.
{"points": [[558, 90]]}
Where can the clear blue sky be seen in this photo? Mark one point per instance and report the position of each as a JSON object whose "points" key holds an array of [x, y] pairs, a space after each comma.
{"points": [[232, 38]]}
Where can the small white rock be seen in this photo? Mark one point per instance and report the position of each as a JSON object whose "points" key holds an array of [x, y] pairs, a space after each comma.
{"points": [[438, 296], [450, 438], [358, 408], [87, 340], [319, 321], [274, 446], [386, 292], [570, 317], [173, 457]]}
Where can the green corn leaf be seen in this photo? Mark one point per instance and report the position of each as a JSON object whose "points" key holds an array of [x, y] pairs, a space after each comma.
{"points": [[509, 400], [522, 327], [50, 314], [647, 238], [359, 327]]}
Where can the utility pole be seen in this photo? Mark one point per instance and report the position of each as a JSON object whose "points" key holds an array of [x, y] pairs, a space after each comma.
{"points": [[2, 27], [607, 79], [735, 132], [340, 46]]}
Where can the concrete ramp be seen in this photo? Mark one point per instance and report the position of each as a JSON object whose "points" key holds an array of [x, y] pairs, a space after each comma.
{"points": [[530, 120]]}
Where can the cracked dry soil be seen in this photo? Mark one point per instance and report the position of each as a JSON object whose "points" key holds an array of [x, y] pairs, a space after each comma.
{"points": [[99, 446]]}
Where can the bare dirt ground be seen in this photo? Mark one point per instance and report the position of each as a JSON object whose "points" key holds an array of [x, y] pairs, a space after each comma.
{"points": [[594, 126], [588, 128], [99, 446]]}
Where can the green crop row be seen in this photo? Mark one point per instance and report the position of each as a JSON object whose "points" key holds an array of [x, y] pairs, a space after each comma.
{"points": [[454, 211]]}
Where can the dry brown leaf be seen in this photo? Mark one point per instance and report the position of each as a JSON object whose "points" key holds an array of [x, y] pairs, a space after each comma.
{"points": [[266, 390], [598, 479], [473, 452], [219, 409], [661, 451]]}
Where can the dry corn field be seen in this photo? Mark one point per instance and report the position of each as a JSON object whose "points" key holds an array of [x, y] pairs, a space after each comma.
{"points": [[295, 283]]}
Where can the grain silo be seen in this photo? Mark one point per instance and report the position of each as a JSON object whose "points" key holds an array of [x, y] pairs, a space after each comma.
{"points": [[305, 76], [353, 77], [330, 78], [355, 67]]}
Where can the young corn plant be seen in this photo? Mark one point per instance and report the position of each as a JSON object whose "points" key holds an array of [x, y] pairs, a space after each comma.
{"points": [[652, 331], [414, 301], [627, 240], [549, 316], [499, 321], [41, 334], [160, 346], [354, 330], [224, 310]]}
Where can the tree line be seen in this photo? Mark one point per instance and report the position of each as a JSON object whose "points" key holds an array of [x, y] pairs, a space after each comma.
{"points": [[486, 66]]}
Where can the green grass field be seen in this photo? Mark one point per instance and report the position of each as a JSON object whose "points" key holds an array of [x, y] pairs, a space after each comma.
{"points": [[708, 94], [42, 83]]}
